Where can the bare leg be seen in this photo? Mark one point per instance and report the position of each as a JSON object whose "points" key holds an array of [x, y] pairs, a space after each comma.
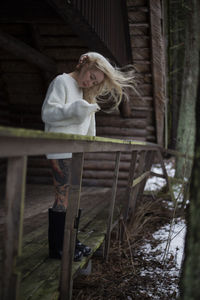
{"points": [[61, 169]]}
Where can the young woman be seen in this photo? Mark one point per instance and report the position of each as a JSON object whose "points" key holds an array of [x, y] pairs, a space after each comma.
{"points": [[69, 107]]}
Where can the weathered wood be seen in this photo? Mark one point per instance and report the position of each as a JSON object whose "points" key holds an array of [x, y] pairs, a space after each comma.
{"points": [[141, 169], [115, 121], [103, 174], [129, 189], [25, 52], [147, 167], [81, 27], [15, 192], [138, 17], [140, 178], [66, 281], [123, 131], [38, 142], [106, 156], [104, 165], [157, 67], [112, 205]]}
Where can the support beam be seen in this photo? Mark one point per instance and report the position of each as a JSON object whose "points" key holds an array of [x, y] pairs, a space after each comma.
{"points": [[112, 204], [25, 52], [66, 282], [80, 26], [157, 67], [14, 209]]}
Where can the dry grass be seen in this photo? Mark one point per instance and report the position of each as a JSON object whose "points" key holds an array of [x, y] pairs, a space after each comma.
{"points": [[120, 277]]}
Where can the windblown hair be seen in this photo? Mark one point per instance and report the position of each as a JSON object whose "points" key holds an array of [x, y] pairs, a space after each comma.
{"points": [[108, 94]]}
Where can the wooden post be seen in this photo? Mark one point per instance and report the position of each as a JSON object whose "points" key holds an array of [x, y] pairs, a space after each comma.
{"points": [[112, 205], [157, 66], [140, 189], [14, 209], [141, 168], [129, 190], [66, 281]]}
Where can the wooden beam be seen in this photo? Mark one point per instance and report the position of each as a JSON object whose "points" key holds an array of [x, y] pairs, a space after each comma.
{"points": [[112, 205], [25, 52], [66, 281], [157, 67], [21, 142], [80, 26], [15, 192]]}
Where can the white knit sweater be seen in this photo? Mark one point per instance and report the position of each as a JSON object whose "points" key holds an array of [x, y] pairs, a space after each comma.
{"points": [[64, 110]]}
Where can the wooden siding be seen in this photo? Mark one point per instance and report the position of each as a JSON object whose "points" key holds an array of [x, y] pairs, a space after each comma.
{"points": [[25, 85]]}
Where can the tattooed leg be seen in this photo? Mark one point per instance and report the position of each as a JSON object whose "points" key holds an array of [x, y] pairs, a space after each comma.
{"points": [[61, 178]]}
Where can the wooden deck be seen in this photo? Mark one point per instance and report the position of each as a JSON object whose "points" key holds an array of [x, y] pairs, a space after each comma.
{"points": [[40, 274]]}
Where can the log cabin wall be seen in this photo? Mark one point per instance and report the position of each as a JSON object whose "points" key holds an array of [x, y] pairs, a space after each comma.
{"points": [[25, 81]]}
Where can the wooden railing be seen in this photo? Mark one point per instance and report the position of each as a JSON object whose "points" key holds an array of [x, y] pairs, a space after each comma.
{"points": [[17, 144], [104, 24]]}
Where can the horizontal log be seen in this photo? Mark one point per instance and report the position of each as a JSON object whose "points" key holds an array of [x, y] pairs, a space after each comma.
{"points": [[104, 165], [122, 131], [142, 66], [107, 156], [137, 16], [103, 175], [103, 183], [115, 121], [25, 52], [143, 101], [138, 30], [141, 53], [138, 41]]}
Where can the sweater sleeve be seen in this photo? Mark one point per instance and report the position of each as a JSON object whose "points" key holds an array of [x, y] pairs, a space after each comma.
{"points": [[56, 111], [92, 127]]}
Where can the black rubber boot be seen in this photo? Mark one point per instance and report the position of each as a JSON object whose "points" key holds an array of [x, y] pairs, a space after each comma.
{"points": [[79, 246], [56, 235]]}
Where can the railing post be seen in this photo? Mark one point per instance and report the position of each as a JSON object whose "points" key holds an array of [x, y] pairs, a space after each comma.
{"points": [[112, 205], [141, 168], [14, 210], [66, 281], [129, 189]]}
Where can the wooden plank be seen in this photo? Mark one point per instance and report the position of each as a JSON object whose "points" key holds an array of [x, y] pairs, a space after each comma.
{"points": [[147, 167], [37, 142], [141, 168], [157, 66], [66, 280], [112, 205], [25, 52], [115, 121], [140, 178], [15, 192], [129, 189]]}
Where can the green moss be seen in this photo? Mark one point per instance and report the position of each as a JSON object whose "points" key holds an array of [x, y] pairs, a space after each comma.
{"points": [[27, 133]]}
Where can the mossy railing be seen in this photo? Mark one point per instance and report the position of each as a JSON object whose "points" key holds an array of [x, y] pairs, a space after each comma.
{"points": [[16, 145]]}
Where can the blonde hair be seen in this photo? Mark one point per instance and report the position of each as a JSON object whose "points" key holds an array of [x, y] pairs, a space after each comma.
{"points": [[108, 94]]}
